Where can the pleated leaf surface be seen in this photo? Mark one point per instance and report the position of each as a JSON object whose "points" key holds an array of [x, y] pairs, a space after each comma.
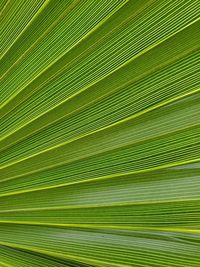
{"points": [[99, 133]]}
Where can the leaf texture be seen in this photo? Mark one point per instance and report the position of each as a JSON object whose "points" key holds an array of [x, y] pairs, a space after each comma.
{"points": [[99, 133]]}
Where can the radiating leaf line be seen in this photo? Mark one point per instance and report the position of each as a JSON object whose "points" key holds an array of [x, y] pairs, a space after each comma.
{"points": [[117, 191], [27, 258], [140, 54], [104, 226], [3, 5], [55, 22], [67, 51], [63, 256], [36, 7], [109, 126], [36, 14]]}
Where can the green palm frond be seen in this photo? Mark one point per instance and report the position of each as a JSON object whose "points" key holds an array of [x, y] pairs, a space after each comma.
{"points": [[100, 133]]}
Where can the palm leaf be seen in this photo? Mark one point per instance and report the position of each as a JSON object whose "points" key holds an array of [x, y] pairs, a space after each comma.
{"points": [[100, 133]]}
